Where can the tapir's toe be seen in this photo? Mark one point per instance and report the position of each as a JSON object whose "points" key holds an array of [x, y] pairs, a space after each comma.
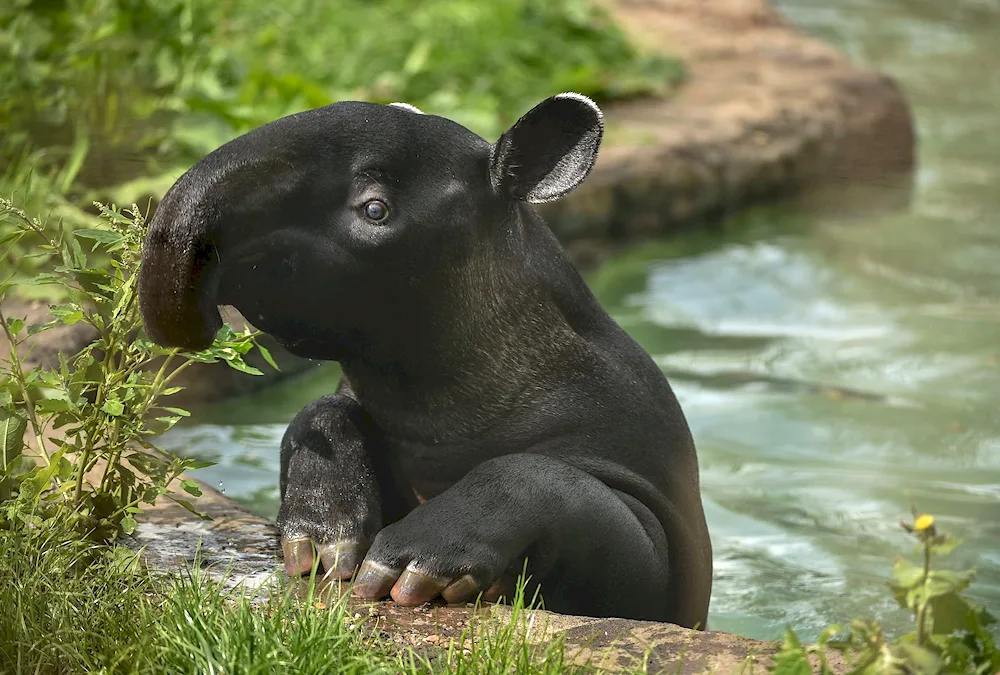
{"points": [[341, 559], [415, 588], [463, 589], [374, 581], [298, 555], [503, 587]]}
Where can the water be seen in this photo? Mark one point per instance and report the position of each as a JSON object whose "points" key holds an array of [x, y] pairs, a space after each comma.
{"points": [[831, 369]]}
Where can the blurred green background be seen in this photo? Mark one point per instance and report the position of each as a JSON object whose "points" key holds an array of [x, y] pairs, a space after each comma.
{"points": [[113, 99]]}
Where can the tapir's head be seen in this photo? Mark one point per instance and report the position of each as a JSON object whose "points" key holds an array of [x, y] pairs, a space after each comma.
{"points": [[309, 222]]}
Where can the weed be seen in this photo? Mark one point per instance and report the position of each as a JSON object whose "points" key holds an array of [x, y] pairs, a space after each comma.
{"points": [[951, 632], [92, 419]]}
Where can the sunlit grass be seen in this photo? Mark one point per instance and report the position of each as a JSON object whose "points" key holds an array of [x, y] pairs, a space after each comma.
{"points": [[68, 606]]}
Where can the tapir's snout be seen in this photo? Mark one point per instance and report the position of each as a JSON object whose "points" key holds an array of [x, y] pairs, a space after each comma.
{"points": [[177, 277], [225, 200]]}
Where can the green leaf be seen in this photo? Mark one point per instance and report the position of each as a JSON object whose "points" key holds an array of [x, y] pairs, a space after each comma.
{"points": [[66, 469], [204, 356], [945, 544], [187, 505], [40, 480], [12, 426], [71, 168], [39, 327], [940, 582], [67, 314], [113, 407], [41, 280], [77, 258], [949, 612], [177, 411], [15, 325], [225, 334], [266, 353], [791, 658], [907, 574], [102, 236], [11, 236], [919, 659], [51, 379], [128, 524], [829, 632], [52, 405], [237, 363], [191, 487]]}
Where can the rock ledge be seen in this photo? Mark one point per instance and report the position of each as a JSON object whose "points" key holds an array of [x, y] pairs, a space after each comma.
{"points": [[238, 547]]}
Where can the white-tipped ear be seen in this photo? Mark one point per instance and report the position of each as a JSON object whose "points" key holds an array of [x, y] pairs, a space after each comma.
{"points": [[407, 106], [549, 151], [584, 100]]}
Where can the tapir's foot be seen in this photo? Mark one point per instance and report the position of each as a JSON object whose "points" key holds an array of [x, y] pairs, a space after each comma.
{"points": [[409, 587], [429, 554], [338, 560], [330, 502], [412, 587]]}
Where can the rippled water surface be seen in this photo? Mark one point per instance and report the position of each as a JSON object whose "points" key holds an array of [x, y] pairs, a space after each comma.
{"points": [[831, 368]]}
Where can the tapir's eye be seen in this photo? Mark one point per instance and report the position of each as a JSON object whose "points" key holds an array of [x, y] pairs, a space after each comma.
{"points": [[376, 210]]}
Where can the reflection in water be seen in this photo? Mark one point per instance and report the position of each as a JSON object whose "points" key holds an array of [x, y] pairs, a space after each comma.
{"points": [[830, 370]]}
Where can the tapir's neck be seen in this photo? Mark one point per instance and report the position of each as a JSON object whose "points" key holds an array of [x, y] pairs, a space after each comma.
{"points": [[498, 329]]}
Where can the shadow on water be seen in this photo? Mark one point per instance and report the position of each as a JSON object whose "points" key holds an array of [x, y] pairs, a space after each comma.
{"points": [[831, 367]]}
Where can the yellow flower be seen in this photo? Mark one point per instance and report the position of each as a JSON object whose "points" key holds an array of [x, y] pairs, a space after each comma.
{"points": [[924, 522]]}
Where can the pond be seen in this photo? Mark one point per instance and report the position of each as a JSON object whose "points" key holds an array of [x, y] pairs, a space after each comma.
{"points": [[831, 368]]}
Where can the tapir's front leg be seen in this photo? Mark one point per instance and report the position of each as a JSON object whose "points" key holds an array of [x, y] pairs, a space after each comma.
{"points": [[330, 493], [590, 547]]}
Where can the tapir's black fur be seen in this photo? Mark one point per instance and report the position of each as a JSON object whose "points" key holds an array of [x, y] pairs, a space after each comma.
{"points": [[480, 373]]}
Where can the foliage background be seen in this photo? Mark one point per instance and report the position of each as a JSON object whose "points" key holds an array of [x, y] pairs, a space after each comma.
{"points": [[112, 99]]}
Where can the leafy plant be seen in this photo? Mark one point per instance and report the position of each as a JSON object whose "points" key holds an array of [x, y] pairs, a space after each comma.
{"points": [[951, 631], [90, 421]]}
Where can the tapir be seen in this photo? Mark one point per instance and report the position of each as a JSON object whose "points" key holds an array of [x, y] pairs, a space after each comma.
{"points": [[492, 417]]}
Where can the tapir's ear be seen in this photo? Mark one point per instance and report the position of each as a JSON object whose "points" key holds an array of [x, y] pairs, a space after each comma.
{"points": [[407, 106], [549, 151]]}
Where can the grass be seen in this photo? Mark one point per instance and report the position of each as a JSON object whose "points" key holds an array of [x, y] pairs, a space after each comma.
{"points": [[67, 606]]}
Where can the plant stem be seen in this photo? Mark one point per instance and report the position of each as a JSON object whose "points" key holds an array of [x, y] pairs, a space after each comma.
{"points": [[922, 609], [160, 380], [18, 372], [38, 230], [92, 434], [177, 371]]}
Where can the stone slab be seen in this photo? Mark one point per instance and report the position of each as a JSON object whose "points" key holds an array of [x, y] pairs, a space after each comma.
{"points": [[237, 547]]}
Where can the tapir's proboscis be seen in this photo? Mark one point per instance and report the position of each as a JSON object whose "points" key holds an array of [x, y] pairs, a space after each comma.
{"points": [[492, 416]]}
